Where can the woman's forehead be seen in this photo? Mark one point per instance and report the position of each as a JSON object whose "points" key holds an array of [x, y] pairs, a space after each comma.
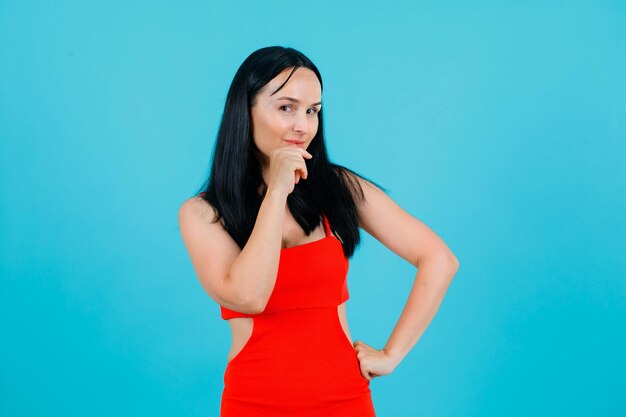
{"points": [[303, 85]]}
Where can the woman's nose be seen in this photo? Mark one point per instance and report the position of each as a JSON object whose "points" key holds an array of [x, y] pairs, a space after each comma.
{"points": [[301, 124]]}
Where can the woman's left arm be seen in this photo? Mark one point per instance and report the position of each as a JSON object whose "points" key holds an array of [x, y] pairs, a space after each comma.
{"points": [[415, 242]]}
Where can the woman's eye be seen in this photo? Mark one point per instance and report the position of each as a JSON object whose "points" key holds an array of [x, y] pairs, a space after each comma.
{"points": [[285, 106]]}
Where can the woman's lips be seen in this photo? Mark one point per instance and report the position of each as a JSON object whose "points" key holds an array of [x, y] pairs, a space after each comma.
{"points": [[296, 142]]}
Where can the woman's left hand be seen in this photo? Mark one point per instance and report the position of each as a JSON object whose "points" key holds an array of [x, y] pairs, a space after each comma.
{"points": [[373, 362]]}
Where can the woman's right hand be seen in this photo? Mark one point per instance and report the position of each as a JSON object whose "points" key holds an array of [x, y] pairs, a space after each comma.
{"points": [[287, 166]]}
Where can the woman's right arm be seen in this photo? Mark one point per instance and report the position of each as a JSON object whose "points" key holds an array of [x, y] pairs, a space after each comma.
{"points": [[243, 280], [240, 280]]}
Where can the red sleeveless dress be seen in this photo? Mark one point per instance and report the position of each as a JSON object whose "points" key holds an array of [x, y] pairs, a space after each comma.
{"points": [[298, 360]]}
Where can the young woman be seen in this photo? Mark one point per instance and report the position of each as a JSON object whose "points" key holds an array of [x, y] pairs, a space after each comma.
{"points": [[270, 237]]}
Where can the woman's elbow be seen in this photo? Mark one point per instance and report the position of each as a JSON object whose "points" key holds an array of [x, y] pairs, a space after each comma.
{"points": [[449, 261]]}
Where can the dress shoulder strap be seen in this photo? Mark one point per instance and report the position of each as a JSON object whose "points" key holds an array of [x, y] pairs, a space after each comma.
{"points": [[326, 226]]}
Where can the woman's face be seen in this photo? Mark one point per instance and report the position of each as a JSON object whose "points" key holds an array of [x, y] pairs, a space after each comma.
{"points": [[288, 115]]}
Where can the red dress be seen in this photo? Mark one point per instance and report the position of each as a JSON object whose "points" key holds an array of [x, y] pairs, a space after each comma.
{"points": [[298, 360]]}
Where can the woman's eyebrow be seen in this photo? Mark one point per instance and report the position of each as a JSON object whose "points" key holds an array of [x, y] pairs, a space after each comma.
{"points": [[295, 100]]}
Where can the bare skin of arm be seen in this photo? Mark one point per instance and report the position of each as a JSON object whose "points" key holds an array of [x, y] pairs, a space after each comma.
{"points": [[243, 279], [413, 241], [240, 280]]}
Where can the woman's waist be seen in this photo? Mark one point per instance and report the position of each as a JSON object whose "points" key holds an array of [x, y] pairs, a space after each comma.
{"points": [[307, 334], [284, 307]]}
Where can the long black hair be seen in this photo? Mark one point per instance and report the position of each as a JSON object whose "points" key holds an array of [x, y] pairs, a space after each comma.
{"points": [[235, 186]]}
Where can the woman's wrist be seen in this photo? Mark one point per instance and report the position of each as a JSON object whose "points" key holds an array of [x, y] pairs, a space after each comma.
{"points": [[276, 194], [394, 355]]}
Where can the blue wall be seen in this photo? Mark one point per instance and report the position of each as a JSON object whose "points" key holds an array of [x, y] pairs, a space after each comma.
{"points": [[500, 124]]}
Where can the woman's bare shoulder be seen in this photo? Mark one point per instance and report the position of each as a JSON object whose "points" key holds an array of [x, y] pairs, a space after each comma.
{"points": [[198, 208]]}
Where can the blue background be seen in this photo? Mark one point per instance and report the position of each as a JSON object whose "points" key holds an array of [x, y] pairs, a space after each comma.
{"points": [[500, 124]]}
